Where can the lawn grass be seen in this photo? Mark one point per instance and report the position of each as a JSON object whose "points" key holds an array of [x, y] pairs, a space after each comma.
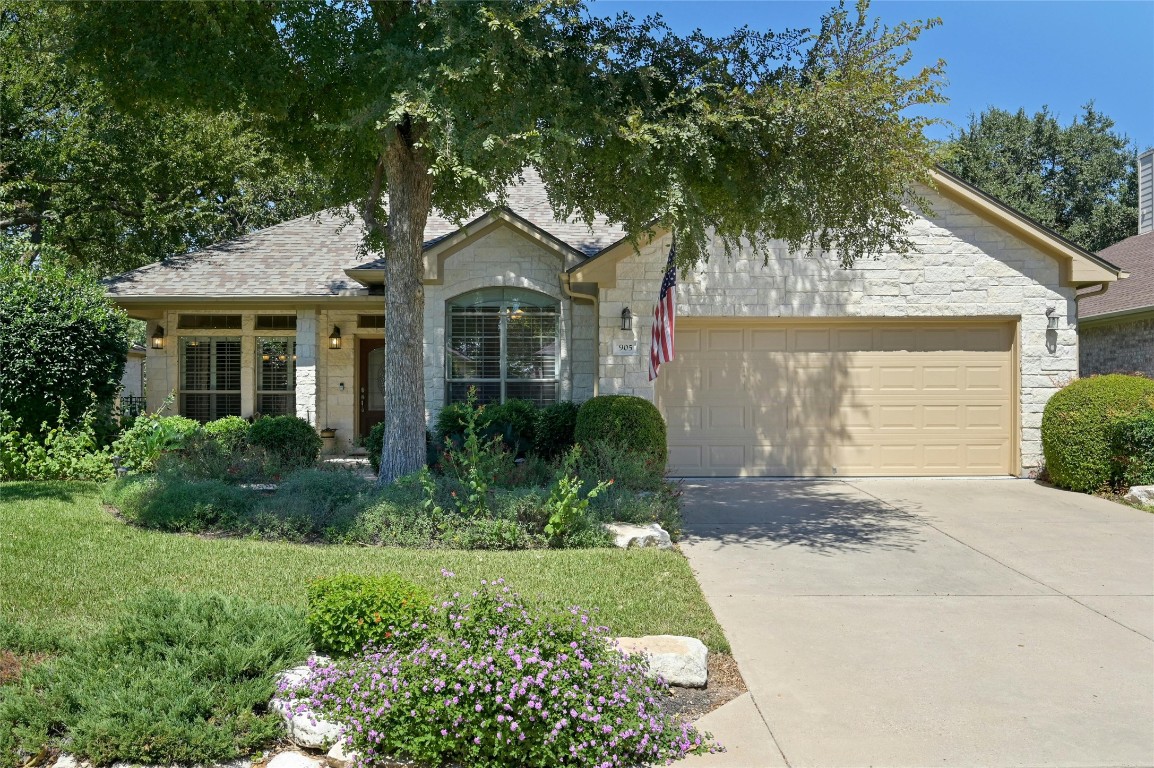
{"points": [[67, 564]]}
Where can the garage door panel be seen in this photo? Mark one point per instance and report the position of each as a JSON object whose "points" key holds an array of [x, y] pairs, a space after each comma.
{"points": [[864, 397], [762, 340]]}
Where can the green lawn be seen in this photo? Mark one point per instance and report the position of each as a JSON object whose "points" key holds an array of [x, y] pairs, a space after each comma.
{"points": [[65, 563]]}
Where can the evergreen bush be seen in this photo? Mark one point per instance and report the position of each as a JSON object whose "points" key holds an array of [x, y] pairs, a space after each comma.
{"points": [[292, 439], [555, 426], [1132, 443], [624, 420], [1077, 424], [61, 342]]}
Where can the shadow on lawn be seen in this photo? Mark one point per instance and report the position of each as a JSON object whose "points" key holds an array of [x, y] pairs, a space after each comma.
{"points": [[46, 490], [825, 516]]}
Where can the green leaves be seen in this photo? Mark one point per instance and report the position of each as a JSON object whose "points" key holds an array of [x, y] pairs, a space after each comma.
{"points": [[1080, 180], [63, 346]]}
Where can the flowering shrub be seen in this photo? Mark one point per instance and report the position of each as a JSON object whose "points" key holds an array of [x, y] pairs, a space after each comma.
{"points": [[491, 684]]}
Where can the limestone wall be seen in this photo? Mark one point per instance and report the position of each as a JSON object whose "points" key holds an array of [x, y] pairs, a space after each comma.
{"points": [[963, 267]]}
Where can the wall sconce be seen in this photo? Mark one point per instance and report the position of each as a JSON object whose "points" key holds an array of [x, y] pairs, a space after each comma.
{"points": [[158, 337], [335, 338], [1051, 319], [626, 320]]}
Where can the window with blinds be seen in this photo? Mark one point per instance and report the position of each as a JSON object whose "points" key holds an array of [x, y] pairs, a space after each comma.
{"points": [[276, 376], [209, 377], [504, 342]]}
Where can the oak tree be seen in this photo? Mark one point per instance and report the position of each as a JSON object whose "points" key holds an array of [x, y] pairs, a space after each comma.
{"points": [[1081, 179], [408, 106], [108, 190]]}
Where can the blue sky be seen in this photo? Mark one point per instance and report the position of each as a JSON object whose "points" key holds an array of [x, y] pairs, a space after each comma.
{"points": [[1004, 54]]}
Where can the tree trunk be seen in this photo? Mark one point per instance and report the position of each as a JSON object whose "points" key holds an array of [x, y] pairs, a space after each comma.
{"points": [[410, 188]]}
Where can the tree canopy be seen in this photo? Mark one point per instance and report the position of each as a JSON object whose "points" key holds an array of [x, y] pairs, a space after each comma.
{"points": [[406, 106], [62, 343], [110, 190], [1081, 180]]}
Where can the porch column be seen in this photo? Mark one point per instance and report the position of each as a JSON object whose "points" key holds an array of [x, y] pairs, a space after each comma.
{"points": [[306, 365]]}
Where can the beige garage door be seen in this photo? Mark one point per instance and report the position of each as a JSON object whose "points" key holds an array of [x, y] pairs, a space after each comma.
{"points": [[865, 397]]}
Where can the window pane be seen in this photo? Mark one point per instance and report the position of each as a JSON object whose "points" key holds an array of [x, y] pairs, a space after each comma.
{"points": [[274, 364], [487, 392], [227, 353], [536, 392], [475, 347], [276, 405], [196, 363], [531, 351], [196, 406]]}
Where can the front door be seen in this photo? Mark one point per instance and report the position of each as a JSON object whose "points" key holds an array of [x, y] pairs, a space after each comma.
{"points": [[371, 387]]}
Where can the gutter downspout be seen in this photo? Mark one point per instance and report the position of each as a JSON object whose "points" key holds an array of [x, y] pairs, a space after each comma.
{"points": [[567, 289]]}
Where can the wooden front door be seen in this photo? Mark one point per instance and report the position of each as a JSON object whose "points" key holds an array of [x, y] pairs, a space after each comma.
{"points": [[371, 384]]}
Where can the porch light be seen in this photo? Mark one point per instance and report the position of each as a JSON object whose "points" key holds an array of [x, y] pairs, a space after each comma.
{"points": [[158, 337], [1051, 319], [335, 338], [626, 320]]}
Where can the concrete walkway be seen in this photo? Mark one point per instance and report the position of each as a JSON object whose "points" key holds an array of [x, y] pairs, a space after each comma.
{"points": [[928, 622]]}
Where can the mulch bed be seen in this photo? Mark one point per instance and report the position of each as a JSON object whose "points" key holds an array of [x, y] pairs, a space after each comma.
{"points": [[725, 685]]}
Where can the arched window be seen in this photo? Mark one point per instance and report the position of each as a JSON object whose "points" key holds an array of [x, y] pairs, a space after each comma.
{"points": [[504, 342]]}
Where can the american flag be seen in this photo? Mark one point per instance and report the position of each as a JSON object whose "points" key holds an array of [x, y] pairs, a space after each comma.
{"points": [[661, 347]]}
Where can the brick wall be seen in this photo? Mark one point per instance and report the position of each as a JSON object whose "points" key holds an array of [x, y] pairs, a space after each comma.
{"points": [[964, 267], [1120, 346]]}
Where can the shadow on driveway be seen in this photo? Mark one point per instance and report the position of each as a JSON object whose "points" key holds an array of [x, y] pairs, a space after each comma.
{"points": [[822, 515]]}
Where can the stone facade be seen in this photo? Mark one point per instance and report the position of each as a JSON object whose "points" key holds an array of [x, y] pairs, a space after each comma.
{"points": [[1121, 345], [964, 267]]}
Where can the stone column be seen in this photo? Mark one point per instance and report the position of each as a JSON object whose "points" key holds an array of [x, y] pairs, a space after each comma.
{"points": [[306, 365]]}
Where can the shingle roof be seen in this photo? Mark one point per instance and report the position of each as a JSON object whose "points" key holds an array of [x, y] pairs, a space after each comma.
{"points": [[1136, 256], [308, 256]]}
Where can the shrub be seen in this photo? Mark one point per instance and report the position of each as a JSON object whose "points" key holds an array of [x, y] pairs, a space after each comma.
{"points": [[567, 505], [151, 436], [629, 470], [624, 420], [65, 451], [58, 335], [451, 423], [515, 422], [374, 444], [173, 503], [1132, 445], [1076, 427], [495, 684], [292, 439], [174, 679], [349, 612], [309, 505], [231, 432], [555, 426]]}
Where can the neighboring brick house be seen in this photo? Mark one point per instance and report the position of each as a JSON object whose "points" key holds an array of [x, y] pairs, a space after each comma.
{"points": [[1116, 328], [934, 363]]}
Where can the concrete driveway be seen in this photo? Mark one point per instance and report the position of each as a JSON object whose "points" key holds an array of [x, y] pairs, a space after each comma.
{"points": [[898, 622]]}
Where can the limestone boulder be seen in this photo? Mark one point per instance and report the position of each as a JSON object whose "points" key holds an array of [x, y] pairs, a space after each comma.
{"points": [[294, 760], [1141, 494], [627, 535], [681, 661]]}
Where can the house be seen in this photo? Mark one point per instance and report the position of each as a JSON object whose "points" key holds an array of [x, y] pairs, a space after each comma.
{"points": [[1116, 327], [933, 363]]}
